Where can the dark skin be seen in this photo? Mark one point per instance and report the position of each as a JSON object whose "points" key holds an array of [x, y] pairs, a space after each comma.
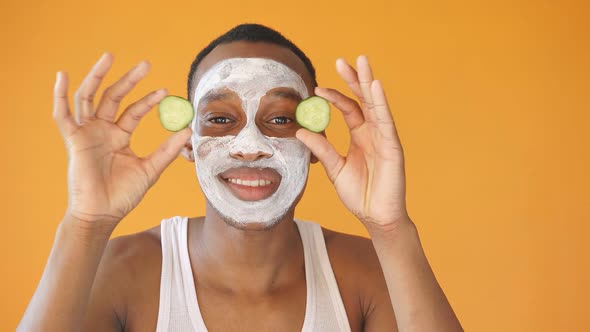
{"points": [[245, 279]]}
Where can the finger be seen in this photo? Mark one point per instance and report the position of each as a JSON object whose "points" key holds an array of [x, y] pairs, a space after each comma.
{"points": [[385, 124], [61, 109], [365, 77], [351, 111], [84, 97], [109, 103], [324, 151], [350, 76], [135, 112], [166, 153]]}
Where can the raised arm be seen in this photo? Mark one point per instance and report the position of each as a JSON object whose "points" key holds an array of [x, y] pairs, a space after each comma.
{"points": [[370, 181], [106, 180]]}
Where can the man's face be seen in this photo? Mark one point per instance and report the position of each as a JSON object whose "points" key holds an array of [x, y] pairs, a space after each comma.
{"points": [[250, 166]]}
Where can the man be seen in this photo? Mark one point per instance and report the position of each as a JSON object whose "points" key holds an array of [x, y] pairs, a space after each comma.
{"points": [[247, 265]]}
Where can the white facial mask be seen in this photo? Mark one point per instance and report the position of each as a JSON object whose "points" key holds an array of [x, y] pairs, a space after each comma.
{"points": [[250, 79]]}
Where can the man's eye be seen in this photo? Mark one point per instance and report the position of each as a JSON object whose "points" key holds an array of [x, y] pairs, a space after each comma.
{"points": [[220, 120], [281, 120]]}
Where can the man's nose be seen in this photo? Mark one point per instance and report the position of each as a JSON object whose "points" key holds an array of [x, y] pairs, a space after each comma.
{"points": [[250, 145], [250, 156]]}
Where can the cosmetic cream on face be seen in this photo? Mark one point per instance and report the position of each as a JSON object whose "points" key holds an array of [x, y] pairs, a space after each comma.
{"points": [[283, 163]]}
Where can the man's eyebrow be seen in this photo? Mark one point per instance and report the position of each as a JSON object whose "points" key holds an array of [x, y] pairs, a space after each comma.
{"points": [[286, 93], [215, 95]]}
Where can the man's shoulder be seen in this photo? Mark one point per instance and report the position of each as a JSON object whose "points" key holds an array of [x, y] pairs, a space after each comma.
{"points": [[129, 246], [129, 275], [129, 254], [351, 252], [356, 268]]}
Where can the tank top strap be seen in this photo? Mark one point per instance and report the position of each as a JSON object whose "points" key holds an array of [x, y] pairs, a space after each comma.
{"points": [[310, 276], [324, 300], [178, 309]]}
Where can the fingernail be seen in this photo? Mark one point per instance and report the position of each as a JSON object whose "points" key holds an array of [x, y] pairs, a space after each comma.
{"points": [[138, 66], [57, 79], [160, 93], [104, 56]]}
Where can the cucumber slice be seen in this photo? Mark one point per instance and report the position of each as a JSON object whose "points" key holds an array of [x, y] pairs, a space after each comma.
{"points": [[175, 113], [313, 113]]}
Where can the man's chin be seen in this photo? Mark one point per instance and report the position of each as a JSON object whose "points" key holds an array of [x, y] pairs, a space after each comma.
{"points": [[252, 225], [247, 225]]}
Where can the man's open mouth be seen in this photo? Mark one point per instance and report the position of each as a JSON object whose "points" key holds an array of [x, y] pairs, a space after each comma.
{"points": [[251, 184]]}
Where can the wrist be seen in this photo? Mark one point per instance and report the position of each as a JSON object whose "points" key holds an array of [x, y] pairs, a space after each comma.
{"points": [[399, 242], [403, 227], [91, 230]]}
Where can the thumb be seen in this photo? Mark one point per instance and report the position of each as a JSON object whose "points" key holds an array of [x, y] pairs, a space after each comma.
{"points": [[167, 152], [324, 151]]}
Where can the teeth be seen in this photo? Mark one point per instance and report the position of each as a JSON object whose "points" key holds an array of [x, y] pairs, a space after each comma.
{"points": [[250, 183]]}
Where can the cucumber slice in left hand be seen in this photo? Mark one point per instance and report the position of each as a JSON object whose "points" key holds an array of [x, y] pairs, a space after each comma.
{"points": [[313, 113], [175, 113]]}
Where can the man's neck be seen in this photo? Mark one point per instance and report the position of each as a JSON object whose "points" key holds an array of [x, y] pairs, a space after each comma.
{"points": [[245, 262]]}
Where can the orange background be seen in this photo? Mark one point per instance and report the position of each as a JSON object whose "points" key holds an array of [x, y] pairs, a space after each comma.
{"points": [[490, 98]]}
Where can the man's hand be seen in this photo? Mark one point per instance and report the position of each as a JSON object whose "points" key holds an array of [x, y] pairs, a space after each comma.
{"points": [[106, 180], [370, 179]]}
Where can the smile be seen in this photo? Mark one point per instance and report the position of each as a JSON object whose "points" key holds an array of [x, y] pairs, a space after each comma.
{"points": [[251, 184]]}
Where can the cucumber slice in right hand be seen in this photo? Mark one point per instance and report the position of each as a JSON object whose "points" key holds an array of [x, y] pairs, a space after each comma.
{"points": [[313, 113], [175, 113]]}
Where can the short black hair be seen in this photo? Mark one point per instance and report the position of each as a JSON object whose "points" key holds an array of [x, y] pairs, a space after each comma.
{"points": [[251, 33]]}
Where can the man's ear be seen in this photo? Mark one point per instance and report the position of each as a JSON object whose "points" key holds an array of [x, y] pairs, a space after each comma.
{"points": [[313, 158], [187, 151]]}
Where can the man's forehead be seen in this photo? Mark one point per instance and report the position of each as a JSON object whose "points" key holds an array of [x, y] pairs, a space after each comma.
{"points": [[245, 49], [249, 78], [248, 69]]}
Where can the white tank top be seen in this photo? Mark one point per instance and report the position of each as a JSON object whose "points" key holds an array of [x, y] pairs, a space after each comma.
{"points": [[179, 307]]}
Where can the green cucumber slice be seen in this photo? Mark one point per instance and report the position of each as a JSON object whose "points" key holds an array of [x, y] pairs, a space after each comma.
{"points": [[175, 113], [313, 113]]}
